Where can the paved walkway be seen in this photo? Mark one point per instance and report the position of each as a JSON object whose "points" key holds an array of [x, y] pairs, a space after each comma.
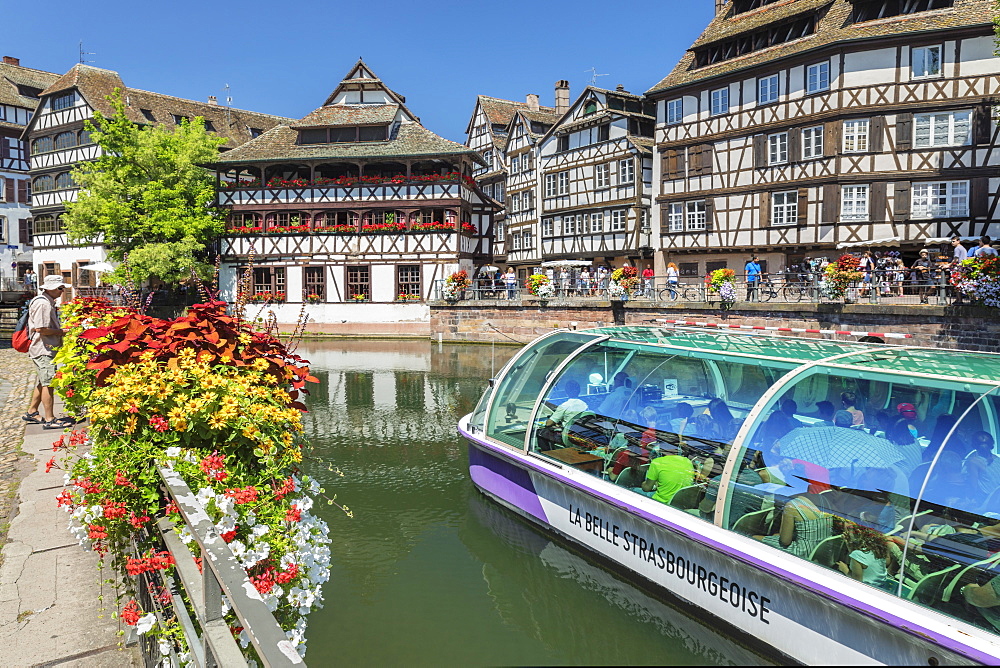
{"points": [[50, 612]]}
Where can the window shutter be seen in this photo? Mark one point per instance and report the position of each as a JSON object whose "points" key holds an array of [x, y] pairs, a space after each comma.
{"points": [[901, 200], [803, 206], [694, 160], [665, 164], [4, 148], [22, 191], [759, 151], [878, 202], [876, 134], [765, 209], [706, 159], [709, 214], [831, 202], [981, 124], [831, 138], [979, 197], [904, 131], [794, 145], [24, 231], [679, 155], [8, 190]]}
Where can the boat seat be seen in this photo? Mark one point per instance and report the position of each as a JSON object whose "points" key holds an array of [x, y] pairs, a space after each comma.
{"points": [[576, 428], [753, 524], [929, 589], [829, 551], [688, 497]]}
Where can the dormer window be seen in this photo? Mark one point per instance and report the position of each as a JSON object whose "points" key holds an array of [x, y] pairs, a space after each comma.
{"points": [[63, 101], [178, 119], [209, 126], [341, 135], [255, 132], [590, 107], [148, 115], [28, 91], [871, 10]]}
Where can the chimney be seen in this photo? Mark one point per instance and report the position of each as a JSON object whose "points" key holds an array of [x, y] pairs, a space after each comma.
{"points": [[532, 101], [213, 99], [620, 88], [720, 6], [562, 96], [11, 60]]}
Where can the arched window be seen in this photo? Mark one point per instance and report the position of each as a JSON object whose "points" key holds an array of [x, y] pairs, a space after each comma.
{"points": [[42, 184], [41, 145], [83, 138], [244, 219], [65, 140], [64, 181], [47, 224]]}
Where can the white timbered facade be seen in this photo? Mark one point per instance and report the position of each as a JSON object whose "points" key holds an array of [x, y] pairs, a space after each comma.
{"points": [[594, 181], [20, 89], [807, 126], [356, 202], [57, 141]]}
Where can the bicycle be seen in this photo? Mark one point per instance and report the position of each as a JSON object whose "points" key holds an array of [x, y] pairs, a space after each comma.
{"points": [[669, 293], [795, 292], [766, 291]]}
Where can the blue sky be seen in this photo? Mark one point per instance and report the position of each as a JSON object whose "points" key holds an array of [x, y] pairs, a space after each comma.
{"points": [[285, 58]]}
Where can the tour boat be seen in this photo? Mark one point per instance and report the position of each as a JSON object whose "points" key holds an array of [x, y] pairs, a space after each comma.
{"points": [[824, 501]]}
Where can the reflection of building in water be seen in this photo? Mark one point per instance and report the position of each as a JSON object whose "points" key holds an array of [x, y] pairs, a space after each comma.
{"points": [[563, 583]]}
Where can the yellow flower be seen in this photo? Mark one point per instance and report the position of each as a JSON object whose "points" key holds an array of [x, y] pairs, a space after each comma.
{"points": [[130, 424]]}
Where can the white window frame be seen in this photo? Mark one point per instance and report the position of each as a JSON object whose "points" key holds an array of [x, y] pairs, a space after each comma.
{"points": [[768, 89], [695, 216], [563, 183], [675, 111], [922, 61], [818, 77], [597, 222], [619, 220], [527, 240], [551, 185], [856, 135], [515, 164], [514, 203], [854, 203], [777, 148], [719, 101], [785, 208], [568, 225], [939, 199], [548, 227], [500, 232], [675, 217], [626, 171], [527, 200], [515, 241], [812, 142], [602, 175], [949, 128]]}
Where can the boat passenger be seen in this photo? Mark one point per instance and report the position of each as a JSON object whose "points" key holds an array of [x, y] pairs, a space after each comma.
{"points": [[948, 484], [986, 598], [898, 433], [804, 525], [791, 408], [848, 400], [868, 555], [722, 417], [908, 412], [563, 415], [743, 501], [942, 428], [683, 412], [632, 476], [668, 474], [980, 460], [825, 411], [621, 391]]}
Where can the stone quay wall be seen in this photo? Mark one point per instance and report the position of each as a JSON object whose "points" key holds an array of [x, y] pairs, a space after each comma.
{"points": [[488, 321]]}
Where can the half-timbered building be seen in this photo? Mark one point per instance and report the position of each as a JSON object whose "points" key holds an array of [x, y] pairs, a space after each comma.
{"points": [[594, 183], [20, 88], [805, 126], [356, 202], [58, 140]]}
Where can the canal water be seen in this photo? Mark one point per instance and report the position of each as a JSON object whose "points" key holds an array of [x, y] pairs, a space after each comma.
{"points": [[429, 572]]}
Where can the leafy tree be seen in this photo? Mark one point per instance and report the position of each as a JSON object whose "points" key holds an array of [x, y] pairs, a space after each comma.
{"points": [[146, 196]]}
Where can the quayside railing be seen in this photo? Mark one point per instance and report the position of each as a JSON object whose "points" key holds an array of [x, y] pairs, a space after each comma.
{"points": [[208, 635]]}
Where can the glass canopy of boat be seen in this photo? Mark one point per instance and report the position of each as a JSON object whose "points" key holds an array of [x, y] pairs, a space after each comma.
{"points": [[877, 461]]}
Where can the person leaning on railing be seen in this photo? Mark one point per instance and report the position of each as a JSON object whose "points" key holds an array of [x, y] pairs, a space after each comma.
{"points": [[923, 271]]}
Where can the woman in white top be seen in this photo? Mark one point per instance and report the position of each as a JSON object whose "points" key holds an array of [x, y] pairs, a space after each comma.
{"points": [[672, 278]]}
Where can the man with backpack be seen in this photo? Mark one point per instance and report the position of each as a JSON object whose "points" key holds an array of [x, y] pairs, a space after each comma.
{"points": [[46, 336]]}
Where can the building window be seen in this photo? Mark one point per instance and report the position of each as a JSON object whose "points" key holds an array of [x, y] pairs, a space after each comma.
{"points": [[626, 171], [515, 241], [619, 217], [64, 181], [255, 132], [41, 145], [314, 282], [925, 61], [47, 224], [358, 283], [720, 101], [515, 203], [64, 140], [604, 132], [777, 148], [148, 114], [179, 119], [563, 144], [83, 138], [947, 129], [550, 185], [408, 279], [563, 187], [42, 184], [488, 157], [767, 89], [785, 208], [597, 222], [515, 164], [942, 199], [812, 142], [696, 215], [63, 101], [856, 136], [675, 217], [675, 111], [527, 200], [527, 240], [526, 162], [500, 232], [209, 126], [569, 225], [269, 279], [602, 175], [548, 229], [818, 77], [854, 203]]}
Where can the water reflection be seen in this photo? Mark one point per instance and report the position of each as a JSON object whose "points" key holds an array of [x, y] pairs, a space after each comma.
{"points": [[430, 572]]}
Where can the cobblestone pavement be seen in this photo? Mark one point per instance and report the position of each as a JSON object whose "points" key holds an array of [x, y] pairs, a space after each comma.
{"points": [[17, 377]]}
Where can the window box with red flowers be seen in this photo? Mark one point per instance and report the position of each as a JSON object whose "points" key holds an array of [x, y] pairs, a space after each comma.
{"points": [[435, 226], [313, 298], [408, 298], [267, 297]]}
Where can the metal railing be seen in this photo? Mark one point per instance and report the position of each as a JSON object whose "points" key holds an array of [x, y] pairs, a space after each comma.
{"points": [[882, 286], [208, 634]]}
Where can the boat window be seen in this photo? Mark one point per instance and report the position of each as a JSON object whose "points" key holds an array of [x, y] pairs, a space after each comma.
{"points": [[520, 385], [652, 420], [832, 469]]}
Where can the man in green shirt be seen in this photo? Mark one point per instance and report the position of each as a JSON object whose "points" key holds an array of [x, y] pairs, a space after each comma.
{"points": [[667, 475]]}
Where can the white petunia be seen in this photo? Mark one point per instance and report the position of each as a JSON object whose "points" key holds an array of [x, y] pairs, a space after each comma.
{"points": [[173, 452], [164, 646], [145, 623], [204, 495]]}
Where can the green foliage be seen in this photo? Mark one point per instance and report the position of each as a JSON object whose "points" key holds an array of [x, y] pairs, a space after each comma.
{"points": [[146, 196]]}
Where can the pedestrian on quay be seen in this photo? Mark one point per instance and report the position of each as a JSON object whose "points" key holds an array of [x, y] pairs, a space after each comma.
{"points": [[647, 281], [985, 248], [511, 279], [29, 280], [46, 337], [752, 270], [959, 254]]}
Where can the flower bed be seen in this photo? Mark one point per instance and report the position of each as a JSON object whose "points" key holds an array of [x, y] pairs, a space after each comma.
{"points": [[219, 404], [978, 278], [839, 276]]}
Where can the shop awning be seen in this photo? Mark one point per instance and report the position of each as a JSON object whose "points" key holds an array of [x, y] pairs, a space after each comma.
{"points": [[886, 241]]}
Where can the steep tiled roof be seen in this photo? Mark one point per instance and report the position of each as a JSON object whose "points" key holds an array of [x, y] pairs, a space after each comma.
{"points": [[357, 77], [834, 25], [279, 145], [501, 111], [349, 114], [96, 84], [12, 76]]}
